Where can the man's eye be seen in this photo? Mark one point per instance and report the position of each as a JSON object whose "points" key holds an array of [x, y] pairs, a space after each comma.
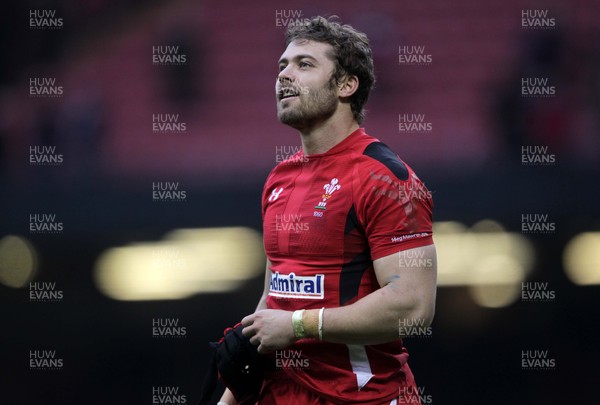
{"points": [[281, 67], [304, 64]]}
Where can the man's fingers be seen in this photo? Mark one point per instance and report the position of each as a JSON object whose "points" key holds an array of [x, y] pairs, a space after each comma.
{"points": [[248, 320], [262, 349], [249, 331], [255, 340]]}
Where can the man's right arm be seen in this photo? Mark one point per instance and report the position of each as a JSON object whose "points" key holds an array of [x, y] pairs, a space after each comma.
{"points": [[227, 397]]}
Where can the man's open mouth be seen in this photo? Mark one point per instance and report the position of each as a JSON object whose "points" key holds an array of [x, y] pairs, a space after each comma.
{"points": [[287, 93]]}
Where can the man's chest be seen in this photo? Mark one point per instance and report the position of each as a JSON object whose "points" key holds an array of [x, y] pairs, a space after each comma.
{"points": [[306, 213]]}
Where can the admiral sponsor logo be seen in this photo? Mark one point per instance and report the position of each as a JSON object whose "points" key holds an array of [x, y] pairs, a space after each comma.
{"points": [[537, 360], [414, 124], [537, 87], [43, 291], [290, 18], [289, 222], [537, 19], [167, 124], [43, 155], [290, 359], [537, 156], [301, 287], [167, 191], [537, 223], [44, 87], [413, 328], [414, 258], [168, 395], [44, 360], [167, 55], [44, 19], [168, 327], [413, 55], [537, 291], [44, 223], [412, 395]]}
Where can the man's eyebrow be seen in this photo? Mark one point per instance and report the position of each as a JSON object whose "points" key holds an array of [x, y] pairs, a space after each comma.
{"points": [[297, 57]]}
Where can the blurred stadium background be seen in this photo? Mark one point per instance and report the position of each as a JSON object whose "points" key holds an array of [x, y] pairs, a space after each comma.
{"points": [[122, 260]]}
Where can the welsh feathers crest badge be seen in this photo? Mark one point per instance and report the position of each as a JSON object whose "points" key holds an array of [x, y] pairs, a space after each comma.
{"points": [[330, 188]]}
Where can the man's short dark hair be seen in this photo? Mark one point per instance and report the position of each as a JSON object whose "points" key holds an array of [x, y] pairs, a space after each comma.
{"points": [[352, 55]]}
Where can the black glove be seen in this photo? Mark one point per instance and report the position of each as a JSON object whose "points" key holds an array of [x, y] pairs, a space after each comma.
{"points": [[239, 366]]}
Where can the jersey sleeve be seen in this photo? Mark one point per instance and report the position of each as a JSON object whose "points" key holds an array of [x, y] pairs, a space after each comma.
{"points": [[395, 207]]}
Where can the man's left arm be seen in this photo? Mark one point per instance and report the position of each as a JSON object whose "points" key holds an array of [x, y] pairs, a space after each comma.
{"points": [[407, 293], [408, 290]]}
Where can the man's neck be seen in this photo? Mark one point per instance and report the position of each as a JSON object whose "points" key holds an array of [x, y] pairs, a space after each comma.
{"points": [[321, 138]]}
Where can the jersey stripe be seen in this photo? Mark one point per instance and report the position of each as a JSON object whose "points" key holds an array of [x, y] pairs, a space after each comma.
{"points": [[360, 365]]}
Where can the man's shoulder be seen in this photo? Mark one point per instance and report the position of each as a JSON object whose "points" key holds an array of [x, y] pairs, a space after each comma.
{"points": [[379, 157], [370, 156]]}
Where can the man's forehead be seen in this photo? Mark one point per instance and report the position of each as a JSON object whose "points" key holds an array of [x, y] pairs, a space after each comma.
{"points": [[307, 47]]}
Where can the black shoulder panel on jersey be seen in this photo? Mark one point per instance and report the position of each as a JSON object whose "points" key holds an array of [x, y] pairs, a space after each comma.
{"points": [[382, 153]]}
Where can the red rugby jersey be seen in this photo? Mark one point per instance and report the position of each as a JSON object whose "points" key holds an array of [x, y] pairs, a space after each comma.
{"points": [[326, 217]]}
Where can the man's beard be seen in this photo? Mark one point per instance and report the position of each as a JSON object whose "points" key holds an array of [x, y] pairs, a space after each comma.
{"points": [[314, 106]]}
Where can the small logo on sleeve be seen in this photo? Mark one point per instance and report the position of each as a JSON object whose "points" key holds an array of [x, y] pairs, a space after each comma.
{"points": [[293, 286]]}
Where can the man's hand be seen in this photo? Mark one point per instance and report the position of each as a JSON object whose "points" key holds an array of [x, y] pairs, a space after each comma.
{"points": [[269, 329]]}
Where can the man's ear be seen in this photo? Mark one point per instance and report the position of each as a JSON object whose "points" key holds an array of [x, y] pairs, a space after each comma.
{"points": [[347, 86]]}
